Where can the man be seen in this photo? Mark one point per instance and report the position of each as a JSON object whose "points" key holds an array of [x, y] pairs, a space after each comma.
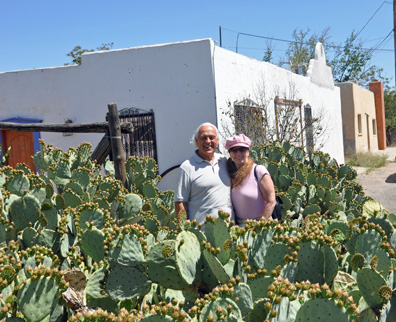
{"points": [[204, 186]]}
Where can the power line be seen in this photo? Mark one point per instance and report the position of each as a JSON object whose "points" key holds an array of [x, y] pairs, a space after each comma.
{"points": [[383, 41], [293, 41], [372, 17]]}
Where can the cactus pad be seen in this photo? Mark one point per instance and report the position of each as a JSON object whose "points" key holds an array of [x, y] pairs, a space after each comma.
{"points": [[37, 298], [320, 309], [92, 242], [126, 282]]}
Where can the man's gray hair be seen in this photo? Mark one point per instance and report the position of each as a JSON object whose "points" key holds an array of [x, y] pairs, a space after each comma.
{"points": [[195, 135]]}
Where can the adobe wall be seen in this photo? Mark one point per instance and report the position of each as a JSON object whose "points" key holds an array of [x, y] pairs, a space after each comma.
{"points": [[358, 103], [239, 77]]}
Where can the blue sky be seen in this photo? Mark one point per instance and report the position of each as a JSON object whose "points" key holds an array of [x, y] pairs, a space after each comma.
{"points": [[37, 34]]}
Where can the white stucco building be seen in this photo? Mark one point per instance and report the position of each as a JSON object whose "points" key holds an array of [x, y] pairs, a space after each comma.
{"points": [[184, 84]]}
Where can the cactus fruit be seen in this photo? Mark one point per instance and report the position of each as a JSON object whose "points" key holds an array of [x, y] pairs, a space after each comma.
{"points": [[221, 309], [138, 259]]}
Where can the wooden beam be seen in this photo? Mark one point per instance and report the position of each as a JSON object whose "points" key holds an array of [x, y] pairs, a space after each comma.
{"points": [[102, 150], [98, 127], [116, 144]]}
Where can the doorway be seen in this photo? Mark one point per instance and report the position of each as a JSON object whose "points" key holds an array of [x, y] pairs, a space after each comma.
{"points": [[23, 144]]}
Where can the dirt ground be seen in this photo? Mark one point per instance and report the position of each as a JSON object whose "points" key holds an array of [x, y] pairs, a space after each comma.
{"points": [[380, 184]]}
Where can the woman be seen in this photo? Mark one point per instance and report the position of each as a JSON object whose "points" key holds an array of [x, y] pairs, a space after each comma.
{"points": [[253, 192]]}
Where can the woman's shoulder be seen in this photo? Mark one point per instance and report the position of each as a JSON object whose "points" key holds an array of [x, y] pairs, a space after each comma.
{"points": [[260, 170]]}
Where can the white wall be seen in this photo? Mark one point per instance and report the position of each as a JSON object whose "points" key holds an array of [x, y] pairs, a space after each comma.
{"points": [[238, 77], [185, 84], [175, 80]]}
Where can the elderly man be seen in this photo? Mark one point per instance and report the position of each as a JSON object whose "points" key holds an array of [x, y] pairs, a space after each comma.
{"points": [[204, 186]]}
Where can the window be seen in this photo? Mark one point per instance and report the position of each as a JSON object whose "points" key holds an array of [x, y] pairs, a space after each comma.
{"points": [[249, 118], [359, 119], [374, 127], [142, 141], [289, 121]]}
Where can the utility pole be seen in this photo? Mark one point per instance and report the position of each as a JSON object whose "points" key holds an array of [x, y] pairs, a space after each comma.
{"points": [[394, 33]]}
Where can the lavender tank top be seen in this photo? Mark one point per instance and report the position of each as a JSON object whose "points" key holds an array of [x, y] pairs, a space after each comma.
{"points": [[247, 198]]}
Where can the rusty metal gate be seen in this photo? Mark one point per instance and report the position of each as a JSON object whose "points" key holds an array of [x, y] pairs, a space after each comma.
{"points": [[142, 141]]}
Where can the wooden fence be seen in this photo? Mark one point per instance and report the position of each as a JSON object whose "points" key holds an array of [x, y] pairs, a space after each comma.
{"points": [[111, 141]]}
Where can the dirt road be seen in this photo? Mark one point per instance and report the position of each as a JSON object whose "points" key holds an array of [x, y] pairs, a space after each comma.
{"points": [[380, 184]]}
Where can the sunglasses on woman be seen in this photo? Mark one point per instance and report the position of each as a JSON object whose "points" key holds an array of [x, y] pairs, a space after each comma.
{"points": [[239, 149]]}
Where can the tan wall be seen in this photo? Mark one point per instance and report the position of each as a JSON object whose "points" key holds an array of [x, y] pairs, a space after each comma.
{"points": [[347, 111], [358, 103]]}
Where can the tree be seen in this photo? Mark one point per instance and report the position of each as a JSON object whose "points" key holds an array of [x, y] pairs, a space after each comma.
{"points": [[268, 57], [77, 51], [352, 62], [252, 115], [390, 116], [302, 50]]}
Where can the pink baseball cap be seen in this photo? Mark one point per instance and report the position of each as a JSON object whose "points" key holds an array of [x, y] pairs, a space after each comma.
{"points": [[238, 140]]}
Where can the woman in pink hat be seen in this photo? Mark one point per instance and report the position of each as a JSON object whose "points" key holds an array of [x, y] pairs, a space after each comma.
{"points": [[253, 192]]}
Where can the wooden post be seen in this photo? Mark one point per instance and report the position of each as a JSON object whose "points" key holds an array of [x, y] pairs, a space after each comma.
{"points": [[116, 143]]}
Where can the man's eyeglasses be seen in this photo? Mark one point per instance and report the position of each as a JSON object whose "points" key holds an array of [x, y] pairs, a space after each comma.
{"points": [[239, 149]]}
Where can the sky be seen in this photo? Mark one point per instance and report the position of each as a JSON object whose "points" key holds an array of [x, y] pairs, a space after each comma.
{"points": [[37, 34]]}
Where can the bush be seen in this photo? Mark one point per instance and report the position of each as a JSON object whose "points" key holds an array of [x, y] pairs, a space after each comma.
{"points": [[367, 160]]}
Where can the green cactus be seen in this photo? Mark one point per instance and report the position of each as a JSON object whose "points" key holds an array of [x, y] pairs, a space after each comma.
{"points": [[126, 248], [92, 242], [17, 183], [130, 205], [221, 309], [188, 255], [221, 272], [161, 265], [218, 235], [321, 309], [259, 286], [24, 211], [92, 214], [38, 297], [370, 283], [243, 298], [126, 283], [316, 264]]}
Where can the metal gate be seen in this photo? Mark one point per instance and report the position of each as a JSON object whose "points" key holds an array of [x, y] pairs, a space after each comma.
{"points": [[141, 142]]}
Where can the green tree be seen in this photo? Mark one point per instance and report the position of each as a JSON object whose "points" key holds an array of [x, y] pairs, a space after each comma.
{"points": [[302, 49], [348, 60], [77, 51], [390, 116], [268, 54], [352, 62]]}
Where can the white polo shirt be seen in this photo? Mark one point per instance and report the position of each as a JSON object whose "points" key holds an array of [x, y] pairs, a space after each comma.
{"points": [[206, 187]]}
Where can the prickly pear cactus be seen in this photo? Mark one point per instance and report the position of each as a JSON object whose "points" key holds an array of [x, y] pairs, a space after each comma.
{"points": [[332, 256]]}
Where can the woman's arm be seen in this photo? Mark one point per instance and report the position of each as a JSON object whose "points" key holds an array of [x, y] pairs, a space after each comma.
{"points": [[268, 191]]}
